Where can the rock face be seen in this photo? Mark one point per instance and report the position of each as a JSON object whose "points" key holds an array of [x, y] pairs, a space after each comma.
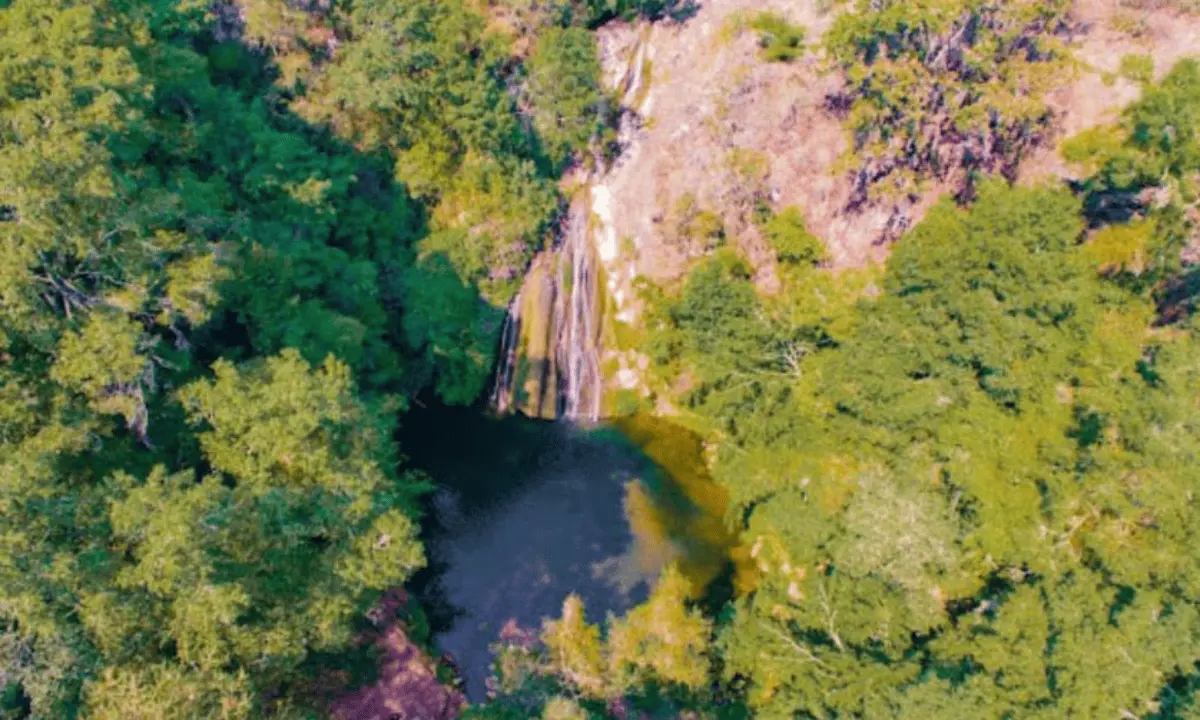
{"points": [[408, 687], [716, 123], [551, 346], [710, 128]]}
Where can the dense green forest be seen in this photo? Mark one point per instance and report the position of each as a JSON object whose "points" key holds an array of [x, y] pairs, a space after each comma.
{"points": [[237, 240]]}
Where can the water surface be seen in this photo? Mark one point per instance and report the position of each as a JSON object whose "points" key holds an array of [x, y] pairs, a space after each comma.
{"points": [[528, 512]]}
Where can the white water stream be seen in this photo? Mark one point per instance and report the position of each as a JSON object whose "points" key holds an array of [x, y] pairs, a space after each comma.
{"points": [[551, 352], [561, 377]]}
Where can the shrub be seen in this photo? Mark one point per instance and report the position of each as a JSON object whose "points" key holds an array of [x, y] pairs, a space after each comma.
{"points": [[1138, 68], [944, 87], [780, 40], [791, 240]]}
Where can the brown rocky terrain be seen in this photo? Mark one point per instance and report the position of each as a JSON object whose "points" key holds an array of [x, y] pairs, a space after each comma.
{"points": [[408, 687], [721, 126]]}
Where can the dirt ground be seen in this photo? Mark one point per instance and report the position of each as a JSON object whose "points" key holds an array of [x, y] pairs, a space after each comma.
{"points": [[711, 101], [408, 686]]}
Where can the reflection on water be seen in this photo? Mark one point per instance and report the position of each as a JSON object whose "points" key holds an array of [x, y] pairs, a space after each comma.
{"points": [[679, 506], [529, 512], [650, 548]]}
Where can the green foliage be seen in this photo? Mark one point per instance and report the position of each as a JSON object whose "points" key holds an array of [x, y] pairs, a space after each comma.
{"points": [[1138, 68], [597, 12], [157, 583], [944, 87], [424, 80], [661, 640], [779, 39], [967, 489], [1153, 149], [789, 237], [1156, 140], [1121, 248], [167, 691], [531, 17], [561, 708], [171, 544], [455, 328], [715, 329], [965, 507], [653, 657], [564, 89], [575, 650], [741, 358]]}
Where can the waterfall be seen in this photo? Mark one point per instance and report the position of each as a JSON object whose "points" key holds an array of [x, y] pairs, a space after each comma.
{"points": [[510, 351], [549, 364], [551, 346]]}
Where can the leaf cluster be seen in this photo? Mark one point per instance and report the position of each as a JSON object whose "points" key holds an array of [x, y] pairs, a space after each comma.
{"points": [[944, 88], [973, 501]]}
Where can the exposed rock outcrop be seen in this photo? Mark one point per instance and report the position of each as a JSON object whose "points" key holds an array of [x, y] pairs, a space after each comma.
{"points": [[408, 687]]}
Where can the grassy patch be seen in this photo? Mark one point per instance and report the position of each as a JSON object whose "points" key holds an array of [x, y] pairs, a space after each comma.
{"points": [[779, 39], [626, 402], [791, 240], [627, 335], [1138, 68]]}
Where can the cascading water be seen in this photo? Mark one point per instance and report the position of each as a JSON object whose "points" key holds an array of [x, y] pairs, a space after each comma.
{"points": [[550, 350], [578, 312]]}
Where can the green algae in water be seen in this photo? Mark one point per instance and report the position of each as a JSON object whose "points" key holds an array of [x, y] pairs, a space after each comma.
{"points": [[678, 504]]}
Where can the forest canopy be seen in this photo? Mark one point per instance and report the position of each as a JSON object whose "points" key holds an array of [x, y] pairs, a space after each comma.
{"points": [[234, 242], [238, 239], [972, 495]]}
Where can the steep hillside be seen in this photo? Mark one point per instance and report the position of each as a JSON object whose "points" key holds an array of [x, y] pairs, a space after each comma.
{"points": [[719, 128], [1111, 30]]}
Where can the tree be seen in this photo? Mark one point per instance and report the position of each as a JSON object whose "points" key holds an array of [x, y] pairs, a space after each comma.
{"points": [[948, 88], [423, 81], [160, 583], [742, 361], [1139, 171], [661, 640], [1155, 141], [169, 552], [793, 243], [575, 650], [655, 657], [978, 504], [564, 89]]}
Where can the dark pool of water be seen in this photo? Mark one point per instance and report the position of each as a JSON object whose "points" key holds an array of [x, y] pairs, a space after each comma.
{"points": [[526, 513]]}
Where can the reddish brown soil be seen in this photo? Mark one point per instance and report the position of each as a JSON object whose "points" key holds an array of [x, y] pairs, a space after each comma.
{"points": [[408, 687]]}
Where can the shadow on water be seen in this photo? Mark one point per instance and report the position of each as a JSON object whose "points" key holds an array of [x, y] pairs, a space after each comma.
{"points": [[528, 512]]}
